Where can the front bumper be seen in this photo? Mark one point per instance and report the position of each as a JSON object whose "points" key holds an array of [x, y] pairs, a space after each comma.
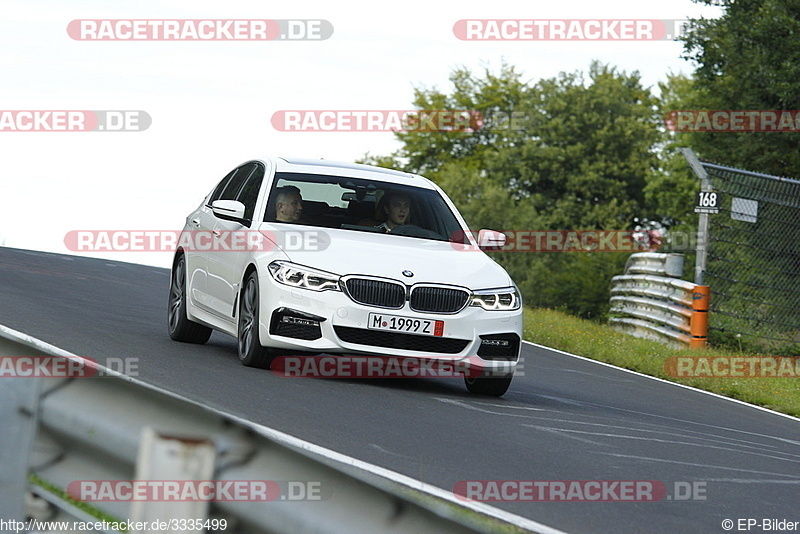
{"points": [[295, 319]]}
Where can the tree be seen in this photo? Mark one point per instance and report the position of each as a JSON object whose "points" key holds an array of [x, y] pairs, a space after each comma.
{"points": [[566, 153], [670, 191], [490, 99], [748, 60], [588, 157]]}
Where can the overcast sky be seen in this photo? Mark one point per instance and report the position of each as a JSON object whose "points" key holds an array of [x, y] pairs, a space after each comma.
{"points": [[211, 102]]}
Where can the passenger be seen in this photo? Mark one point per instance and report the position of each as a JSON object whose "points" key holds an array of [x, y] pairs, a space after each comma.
{"points": [[288, 204]]}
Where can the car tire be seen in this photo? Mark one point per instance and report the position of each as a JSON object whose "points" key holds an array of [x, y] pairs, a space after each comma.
{"points": [[251, 352], [493, 386], [179, 326]]}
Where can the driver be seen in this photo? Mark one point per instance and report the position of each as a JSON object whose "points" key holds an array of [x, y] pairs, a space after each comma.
{"points": [[397, 210]]}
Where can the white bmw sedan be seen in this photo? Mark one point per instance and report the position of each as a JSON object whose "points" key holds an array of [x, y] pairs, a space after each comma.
{"points": [[312, 257]]}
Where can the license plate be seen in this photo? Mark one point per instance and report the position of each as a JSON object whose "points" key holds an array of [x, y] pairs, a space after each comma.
{"points": [[409, 325]]}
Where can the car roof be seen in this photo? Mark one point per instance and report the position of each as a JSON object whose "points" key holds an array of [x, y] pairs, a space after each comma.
{"points": [[353, 170]]}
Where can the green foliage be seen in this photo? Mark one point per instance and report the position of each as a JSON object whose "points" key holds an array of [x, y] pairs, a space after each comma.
{"points": [[669, 193], [569, 153], [427, 152], [575, 282], [387, 162], [748, 60]]}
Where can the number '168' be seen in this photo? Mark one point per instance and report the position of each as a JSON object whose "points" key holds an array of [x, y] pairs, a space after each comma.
{"points": [[708, 199]]}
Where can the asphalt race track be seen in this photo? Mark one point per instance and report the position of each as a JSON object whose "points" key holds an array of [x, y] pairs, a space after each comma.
{"points": [[565, 419]]}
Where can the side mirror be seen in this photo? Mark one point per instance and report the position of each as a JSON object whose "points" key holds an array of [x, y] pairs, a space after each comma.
{"points": [[228, 209], [491, 240]]}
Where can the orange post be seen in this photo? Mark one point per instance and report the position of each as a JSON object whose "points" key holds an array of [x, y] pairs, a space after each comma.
{"points": [[698, 324]]}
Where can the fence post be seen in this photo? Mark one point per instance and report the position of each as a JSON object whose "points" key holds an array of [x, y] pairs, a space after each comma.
{"points": [[702, 226], [181, 459], [698, 325]]}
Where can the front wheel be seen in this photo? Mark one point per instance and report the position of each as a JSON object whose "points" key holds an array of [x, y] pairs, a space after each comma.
{"points": [[493, 386], [251, 353], [179, 326]]}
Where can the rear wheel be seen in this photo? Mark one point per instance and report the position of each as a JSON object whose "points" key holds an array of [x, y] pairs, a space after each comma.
{"points": [[251, 353], [493, 386], [179, 325]]}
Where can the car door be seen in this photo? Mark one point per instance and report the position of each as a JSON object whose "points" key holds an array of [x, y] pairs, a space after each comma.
{"points": [[227, 262], [199, 226]]}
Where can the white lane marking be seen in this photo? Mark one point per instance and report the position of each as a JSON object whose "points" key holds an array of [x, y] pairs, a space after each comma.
{"points": [[470, 406], [675, 419], [709, 443], [565, 400], [732, 442], [694, 464], [675, 432], [669, 441], [717, 395], [559, 432]]}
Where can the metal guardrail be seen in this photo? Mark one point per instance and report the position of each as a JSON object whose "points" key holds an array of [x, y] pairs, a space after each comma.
{"points": [[117, 428], [649, 301]]}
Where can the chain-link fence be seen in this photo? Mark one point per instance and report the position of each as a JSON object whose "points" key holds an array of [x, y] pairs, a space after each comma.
{"points": [[753, 260]]}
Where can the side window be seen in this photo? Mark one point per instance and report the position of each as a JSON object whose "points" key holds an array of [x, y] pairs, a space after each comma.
{"points": [[221, 186], [234, 185], [248, 195]]}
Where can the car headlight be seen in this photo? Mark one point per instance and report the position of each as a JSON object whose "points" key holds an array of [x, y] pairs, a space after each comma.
{"points": [[303, 277], [503, 299]]}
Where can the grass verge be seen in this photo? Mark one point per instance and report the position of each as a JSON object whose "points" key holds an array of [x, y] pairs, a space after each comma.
{"points": [[601, 342], [87, 508]]}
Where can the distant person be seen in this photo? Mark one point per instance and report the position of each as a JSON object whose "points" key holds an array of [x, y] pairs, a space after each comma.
{"points": [[288, 204], [397, 210]]}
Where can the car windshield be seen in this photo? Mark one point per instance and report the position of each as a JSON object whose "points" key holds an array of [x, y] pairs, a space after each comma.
{"points": [[362, 206]]}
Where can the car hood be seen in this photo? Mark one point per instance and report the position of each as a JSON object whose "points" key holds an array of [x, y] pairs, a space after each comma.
{"points": [[346, 252]]}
